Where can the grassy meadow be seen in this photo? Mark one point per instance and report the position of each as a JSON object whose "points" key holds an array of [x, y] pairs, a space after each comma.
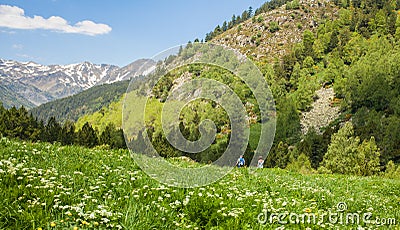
{"points": [[46, 186]]}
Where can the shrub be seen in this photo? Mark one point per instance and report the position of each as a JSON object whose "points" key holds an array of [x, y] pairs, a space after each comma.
{"points": [[324, 170], [302, 165], [273, 27], [392, 171], [346, 155], [294, 5]]}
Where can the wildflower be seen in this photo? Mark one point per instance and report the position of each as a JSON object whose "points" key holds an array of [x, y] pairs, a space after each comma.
{"points": [[39, 229], [92, 216], [75, 228], [52, 224], [186, 201], [307, 210]]}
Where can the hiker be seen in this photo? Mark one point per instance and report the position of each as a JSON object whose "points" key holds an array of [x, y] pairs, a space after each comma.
{"points": [[240, 162], [260, 162]]}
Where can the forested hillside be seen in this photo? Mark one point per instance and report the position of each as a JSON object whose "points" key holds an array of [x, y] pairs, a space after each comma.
{"points": [[20, 124], [89, 101], [356, 55], [333, 122]]}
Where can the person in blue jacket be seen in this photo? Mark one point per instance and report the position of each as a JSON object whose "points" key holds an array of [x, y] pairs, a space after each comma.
{"points": [[240, 162]]}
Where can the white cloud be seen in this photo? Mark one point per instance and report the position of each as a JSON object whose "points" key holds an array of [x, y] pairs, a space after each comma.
{"points": [[14, 17], [7, 32], [17, 46], [25, 56]]}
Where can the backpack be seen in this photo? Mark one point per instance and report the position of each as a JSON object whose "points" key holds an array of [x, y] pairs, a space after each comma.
{"points": [[241, 162]]}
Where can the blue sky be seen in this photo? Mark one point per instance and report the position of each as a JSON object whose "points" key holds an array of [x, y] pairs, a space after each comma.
{"points": [[113, 31]]}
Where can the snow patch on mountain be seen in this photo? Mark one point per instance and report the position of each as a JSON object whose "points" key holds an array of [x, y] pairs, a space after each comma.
{"points": [[57, 81]]}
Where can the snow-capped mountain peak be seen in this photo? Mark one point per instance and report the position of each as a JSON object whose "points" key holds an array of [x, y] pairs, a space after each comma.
{"points": [[42, 83]]}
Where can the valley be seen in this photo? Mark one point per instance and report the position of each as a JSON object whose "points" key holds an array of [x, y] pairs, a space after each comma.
{"points": [[329, 83]]}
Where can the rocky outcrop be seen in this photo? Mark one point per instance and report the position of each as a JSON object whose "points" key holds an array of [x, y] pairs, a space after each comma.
{"points": [[322, 113], [257, 39]]}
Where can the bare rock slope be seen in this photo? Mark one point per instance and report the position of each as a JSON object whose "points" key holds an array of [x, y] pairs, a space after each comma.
{"points": [[322, 112]]}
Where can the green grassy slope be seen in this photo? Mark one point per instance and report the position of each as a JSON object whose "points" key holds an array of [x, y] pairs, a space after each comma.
{"points": [[107, 114], [46, 185]]}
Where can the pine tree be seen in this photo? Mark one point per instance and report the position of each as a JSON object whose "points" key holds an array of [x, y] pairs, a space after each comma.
{"points": [[288, 127], [67, 135], [278, 156], [313, 146], [106, 136], [113, 137], [341, 156], [34, 129], [250, 11], [368, 155], [3, 112], [224, 26], [87, 136], [308, 42], [52, 130]]}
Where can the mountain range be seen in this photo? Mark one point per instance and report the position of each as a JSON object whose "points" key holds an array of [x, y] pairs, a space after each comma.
{"points": [[31, 84]]}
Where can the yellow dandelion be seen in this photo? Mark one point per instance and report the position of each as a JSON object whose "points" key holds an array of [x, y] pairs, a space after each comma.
{"points": [[96, 223], [52, 224], [307, 210], [39, 229], [75, 228]]}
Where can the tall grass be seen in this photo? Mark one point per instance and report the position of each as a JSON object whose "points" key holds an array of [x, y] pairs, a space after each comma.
{"points": [[67, 187]]}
